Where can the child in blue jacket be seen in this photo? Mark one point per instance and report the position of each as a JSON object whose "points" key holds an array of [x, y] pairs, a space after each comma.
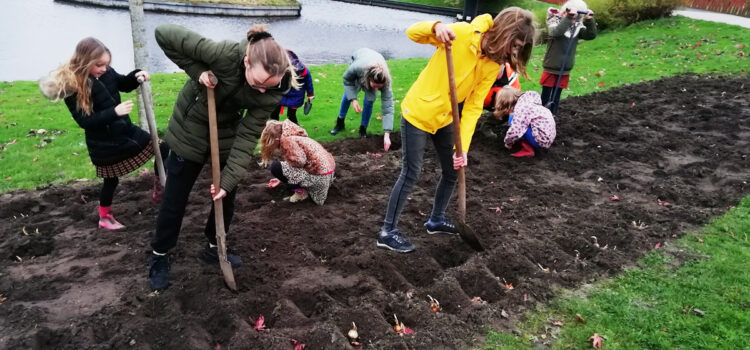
{"points": [[294, 99]]}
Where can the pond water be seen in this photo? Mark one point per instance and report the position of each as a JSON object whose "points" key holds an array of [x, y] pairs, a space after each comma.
{"points": [[38, 35]]}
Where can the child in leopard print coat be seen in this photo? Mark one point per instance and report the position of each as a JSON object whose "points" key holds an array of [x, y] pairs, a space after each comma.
{"points": [[307, 168], [530, 122]]}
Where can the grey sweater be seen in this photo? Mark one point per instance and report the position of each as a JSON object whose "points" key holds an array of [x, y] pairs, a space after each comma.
{"points": [[361, 60]]}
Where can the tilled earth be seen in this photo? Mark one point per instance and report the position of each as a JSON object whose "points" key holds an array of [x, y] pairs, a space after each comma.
{"points": [[674, 151]]}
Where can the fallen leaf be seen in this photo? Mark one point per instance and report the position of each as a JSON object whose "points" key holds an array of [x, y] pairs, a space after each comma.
{"points": [[35, 159], [376, 155], [614, 198], [557, 323], [699, 312], [8, 178], [83, 199], [478, 300], [260, 323], [422, 213], [632, 105], [496, 209], [406, 330], [511, 199], [700, 240], [2, 298], [601, 84], [297, 344], [596, 341], [663, 203], [657, 245], [580, 318], [525, 298], [504, 314]]}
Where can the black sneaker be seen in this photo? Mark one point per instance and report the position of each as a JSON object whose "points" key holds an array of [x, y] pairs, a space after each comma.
{"points": [[445, 227], [395, 241], [211, 256], [362, 131], [158, 272]]}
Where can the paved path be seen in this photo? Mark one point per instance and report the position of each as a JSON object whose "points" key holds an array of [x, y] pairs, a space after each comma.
{"points": [[713, 16]]}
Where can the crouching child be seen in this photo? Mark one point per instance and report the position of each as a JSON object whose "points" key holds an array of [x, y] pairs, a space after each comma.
{"points": [[531, 124], [307, 168]]}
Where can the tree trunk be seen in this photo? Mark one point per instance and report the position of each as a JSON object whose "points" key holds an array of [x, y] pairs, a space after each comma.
{"points": [[140, 51]]}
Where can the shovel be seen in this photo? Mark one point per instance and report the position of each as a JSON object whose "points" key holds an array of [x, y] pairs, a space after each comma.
{"points": [[226, 267], [464, 231]]}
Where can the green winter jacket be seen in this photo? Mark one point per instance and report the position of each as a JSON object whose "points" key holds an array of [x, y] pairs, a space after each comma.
{"points": [[241, 110], [558, 41]]}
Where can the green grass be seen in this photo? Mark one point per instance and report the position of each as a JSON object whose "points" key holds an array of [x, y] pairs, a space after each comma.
{"points": [[653, 307], [645, 51]]}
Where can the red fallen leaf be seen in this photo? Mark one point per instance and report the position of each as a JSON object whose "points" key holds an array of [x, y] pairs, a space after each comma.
{"points": [[632, 105], [422, 213], [511, 199], [297, 344], [557, 323], [376, 155], [580, 318], [496, 209], [698, 44], [596, 341], [218, 347], [525, 298], [663, 203], [601, 84], [614, 198], [657, 245], [273, 183], [83, 199], [260, 323], [509, 286], [406, 330]]}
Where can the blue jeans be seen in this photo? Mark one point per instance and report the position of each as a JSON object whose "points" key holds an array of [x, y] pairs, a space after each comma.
{"points": [[528, 135], [413, 142], [366, 110]]}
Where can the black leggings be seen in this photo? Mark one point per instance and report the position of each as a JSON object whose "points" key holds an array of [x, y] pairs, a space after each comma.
{"points": [[108, 191], [278, 173], [547, 97], [291, 114]]}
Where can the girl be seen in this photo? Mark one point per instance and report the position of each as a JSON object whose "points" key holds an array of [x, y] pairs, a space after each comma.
{"points": [[369, 72], [564, 29], [295, 98], [530, 122], [307, 167], [479, 49], [252, 76], [91, 90]]}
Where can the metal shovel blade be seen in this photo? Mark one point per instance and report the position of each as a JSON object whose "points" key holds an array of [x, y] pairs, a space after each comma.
{"points": [[469, 237]]}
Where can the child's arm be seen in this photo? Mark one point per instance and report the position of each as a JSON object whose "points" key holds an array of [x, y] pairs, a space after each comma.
{"points": [[87, 121], [557, 25], [126, 83], [423, 33], [309, 86], [589, 31]]}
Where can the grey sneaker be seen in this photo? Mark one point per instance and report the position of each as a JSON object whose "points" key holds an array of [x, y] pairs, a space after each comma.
{"points": [[395, 241]]}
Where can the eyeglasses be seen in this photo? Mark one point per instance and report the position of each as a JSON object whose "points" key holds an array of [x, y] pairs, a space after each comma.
{"points": [[275, 87]]}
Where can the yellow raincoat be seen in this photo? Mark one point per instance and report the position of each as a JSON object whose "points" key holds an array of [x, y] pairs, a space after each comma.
{"points": [[427, 105]]}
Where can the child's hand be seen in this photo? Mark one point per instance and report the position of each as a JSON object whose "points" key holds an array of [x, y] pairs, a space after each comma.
{"points": [[142, 76], [273, 183], [590, 15], [508, 145], [460, 162], [356, 106], [124, 108], [208, 79], [387, 141], [310, 98], [218, 196], [443, 33]]}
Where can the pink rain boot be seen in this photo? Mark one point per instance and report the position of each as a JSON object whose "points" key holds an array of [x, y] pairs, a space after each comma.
{"points": [[526, 150], [106, 220]]}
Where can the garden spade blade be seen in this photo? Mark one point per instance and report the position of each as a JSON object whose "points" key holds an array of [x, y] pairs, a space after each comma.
{"points": [[226, 267], [465, 232]]}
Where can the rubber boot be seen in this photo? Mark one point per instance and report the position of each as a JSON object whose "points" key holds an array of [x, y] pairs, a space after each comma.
{"points": [[362, 131], [158, 190], [299, 195], [339, 126], [106, 220], [526, 150]]}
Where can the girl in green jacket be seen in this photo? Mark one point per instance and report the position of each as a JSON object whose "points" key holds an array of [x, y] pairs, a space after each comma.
{"points": [[252, 77], [479, 49]]}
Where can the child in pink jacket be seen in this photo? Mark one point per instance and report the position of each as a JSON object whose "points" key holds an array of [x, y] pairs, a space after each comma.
{"points": [[531, 123], [307, 167]]}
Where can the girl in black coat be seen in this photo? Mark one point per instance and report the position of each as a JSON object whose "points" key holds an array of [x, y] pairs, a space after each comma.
{"points": [[91, 90]]}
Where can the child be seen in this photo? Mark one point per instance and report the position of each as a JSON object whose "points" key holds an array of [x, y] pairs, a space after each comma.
{"points": [[369, 72], [530, 122], [295, 98], [91, 90], [564, 29], [479, 49], [253, 75], [506, 77], [307, 167]]}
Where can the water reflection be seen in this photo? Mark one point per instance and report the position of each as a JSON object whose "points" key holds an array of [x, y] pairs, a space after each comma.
{"points": [[40, 34]]}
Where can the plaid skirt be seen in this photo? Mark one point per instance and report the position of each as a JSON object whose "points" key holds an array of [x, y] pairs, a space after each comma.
{"points": [[128, 165]]}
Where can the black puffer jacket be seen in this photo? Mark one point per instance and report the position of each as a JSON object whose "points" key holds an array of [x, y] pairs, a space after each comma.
{"points": [[110, 138]]}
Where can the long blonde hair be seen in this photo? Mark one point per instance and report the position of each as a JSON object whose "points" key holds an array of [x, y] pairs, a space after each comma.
{"points": [[264, 50], [505, 101], [511, 24], [377, 73], [73, 77], [270, 140]]}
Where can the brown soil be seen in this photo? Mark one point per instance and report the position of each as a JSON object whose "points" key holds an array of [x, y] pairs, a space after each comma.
{"points": [[312, 271]]}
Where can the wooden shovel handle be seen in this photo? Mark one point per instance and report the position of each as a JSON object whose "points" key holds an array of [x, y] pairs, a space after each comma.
{"points": [[461, 195]]}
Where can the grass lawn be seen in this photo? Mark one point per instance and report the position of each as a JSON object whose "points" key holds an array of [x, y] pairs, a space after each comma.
{"points": [[649, 308]]}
